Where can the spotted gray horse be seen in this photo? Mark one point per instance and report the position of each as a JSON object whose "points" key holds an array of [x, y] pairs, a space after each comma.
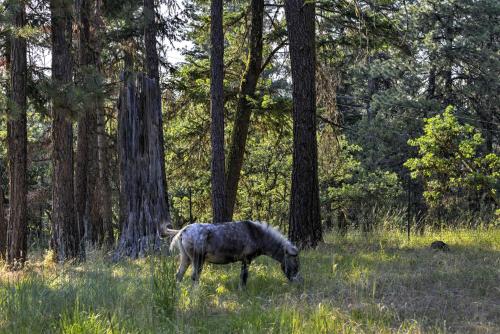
{"points": [[232, 242]]}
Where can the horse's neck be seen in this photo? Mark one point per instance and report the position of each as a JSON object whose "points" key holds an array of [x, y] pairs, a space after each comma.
{"points": [[273, 249]]}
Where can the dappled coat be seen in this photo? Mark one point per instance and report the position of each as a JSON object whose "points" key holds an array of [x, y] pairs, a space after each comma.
{"points": [[232, 242]]}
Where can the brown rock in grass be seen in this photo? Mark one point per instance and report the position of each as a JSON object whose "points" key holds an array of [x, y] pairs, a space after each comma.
{"points": [[440, 245]]}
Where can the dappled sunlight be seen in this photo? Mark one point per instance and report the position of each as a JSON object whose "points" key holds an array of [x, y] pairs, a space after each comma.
{"points": [[358, 284]]}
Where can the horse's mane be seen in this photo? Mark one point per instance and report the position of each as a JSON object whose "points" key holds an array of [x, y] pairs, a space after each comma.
{"points": [[271, 231]]}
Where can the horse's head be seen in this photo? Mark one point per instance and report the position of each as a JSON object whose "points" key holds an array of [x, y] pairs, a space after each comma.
{"points": [[290, 264]]}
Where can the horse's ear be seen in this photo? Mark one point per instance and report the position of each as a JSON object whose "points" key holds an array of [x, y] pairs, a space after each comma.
{"points": [[292, 250]]}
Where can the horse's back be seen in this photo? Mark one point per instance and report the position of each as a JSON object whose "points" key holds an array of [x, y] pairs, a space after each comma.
{"points": [[221, 243]]}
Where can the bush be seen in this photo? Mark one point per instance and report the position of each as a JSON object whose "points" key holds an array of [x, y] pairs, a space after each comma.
{"points": [[452, 165]]}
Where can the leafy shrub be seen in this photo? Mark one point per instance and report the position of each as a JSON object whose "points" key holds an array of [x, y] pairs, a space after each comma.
{"points": [[452, 164]]}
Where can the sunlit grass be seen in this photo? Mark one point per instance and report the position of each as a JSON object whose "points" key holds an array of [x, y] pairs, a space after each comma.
{"points": [[370, 283]]}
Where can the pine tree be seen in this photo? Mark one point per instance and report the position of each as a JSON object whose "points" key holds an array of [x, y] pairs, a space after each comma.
{"points": [[304, 224], [217, 112], [152, 69], [17, 143], [66, 238], [86, 167]]}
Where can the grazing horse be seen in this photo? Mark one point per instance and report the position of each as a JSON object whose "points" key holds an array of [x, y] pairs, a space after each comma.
{"points": [[232, 242]]}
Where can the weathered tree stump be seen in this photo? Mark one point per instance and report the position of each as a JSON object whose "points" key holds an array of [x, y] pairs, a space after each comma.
{"points": [[143, 206]]}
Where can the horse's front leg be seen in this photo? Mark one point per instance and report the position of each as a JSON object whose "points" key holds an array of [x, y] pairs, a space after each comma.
{"points": [[198, 260], [243, 274]]}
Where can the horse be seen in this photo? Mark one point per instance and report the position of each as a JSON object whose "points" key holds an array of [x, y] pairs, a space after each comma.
{"points": [[230, 242]]}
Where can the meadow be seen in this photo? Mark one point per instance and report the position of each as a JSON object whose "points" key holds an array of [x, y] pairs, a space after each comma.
{"points": [[361, 283]]}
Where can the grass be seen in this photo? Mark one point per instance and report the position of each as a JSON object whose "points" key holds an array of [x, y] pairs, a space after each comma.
{"points": [[374, 283]]}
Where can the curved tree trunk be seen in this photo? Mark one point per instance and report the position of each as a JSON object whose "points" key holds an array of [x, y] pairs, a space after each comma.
{"points": [[244, 107], [142, 196], [66, 240], [304, 222], [17, 146]]}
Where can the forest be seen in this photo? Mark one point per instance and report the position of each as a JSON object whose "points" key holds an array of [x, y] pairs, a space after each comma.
{"points": [[362, 130]]}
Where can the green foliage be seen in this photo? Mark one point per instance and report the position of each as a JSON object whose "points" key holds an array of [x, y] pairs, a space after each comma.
{"points": [[77, 320], [350, 186], [165, 291], [450, 159]]}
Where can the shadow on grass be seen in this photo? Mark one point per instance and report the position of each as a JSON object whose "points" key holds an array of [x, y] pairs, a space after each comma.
{"points": [[352, 285]]}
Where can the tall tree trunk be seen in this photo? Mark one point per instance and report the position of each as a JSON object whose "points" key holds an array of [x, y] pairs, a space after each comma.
{"points": [[17, 145], [105, 182], [66, 239], [304, 221], [86, 168], [244, 107], [103, 144], [152, 69], [3, 226], [142, 199], [217, 112]]}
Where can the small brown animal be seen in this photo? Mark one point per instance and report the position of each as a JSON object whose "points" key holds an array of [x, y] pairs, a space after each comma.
{"points": [[440, 245]]}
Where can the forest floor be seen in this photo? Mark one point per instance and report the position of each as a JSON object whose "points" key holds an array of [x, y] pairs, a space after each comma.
{"points": [[374, 283]]}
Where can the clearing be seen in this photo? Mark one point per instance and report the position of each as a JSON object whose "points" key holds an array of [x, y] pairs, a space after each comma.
{"points": [[361, 283]]}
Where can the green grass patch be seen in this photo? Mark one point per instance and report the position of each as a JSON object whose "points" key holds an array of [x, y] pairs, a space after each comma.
{"points": [[360, 283]]}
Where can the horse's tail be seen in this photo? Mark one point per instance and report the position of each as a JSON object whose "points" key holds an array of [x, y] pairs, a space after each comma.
{"points": [[176, 241]]}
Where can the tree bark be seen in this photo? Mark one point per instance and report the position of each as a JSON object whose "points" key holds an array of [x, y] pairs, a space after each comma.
{"points": [[141, 187], [86, 167], [244, 107], [106, 213], [66, 239], [17, 145], [217, 112], [304, 220], [153, 71], [104, 194], [3, 227], [431, 85]]}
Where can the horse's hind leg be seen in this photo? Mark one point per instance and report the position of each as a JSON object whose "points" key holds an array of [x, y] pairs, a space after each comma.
{"points": [[198, 259], [185, 262]]}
